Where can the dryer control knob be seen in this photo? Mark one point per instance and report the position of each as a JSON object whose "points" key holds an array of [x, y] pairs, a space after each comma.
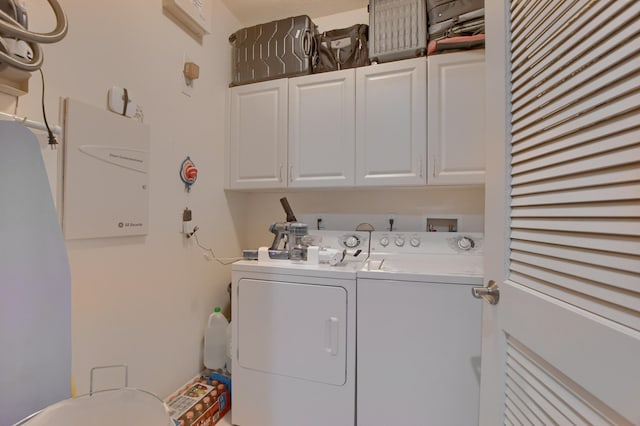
{"points": [[352, 241], [465, 243], [415, 242], [399, 241], [384, 241]]}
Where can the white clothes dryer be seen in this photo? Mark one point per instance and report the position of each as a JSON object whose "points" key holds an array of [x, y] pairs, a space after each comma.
{"points": [[294, 342]]}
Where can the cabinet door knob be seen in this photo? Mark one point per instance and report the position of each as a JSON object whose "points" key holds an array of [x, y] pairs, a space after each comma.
{"points": [[280, 173], [291, 173]]}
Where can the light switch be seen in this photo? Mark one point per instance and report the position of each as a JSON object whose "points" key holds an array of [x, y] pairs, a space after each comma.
{"points": [[191, 70]]}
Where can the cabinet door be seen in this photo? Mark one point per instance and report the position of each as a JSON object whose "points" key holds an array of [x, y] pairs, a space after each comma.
{"points": [[257, 151], [427, 337], [322, 130], [391, 123], [456, 123]]}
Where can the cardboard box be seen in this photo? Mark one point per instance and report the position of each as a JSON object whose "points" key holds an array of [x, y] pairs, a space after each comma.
{"points": [[202, 401]]}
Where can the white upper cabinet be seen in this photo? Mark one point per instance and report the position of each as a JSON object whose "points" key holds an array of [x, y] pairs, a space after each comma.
{"points": [[368, 126], [257, 149], [456, 120], [391, 123], [322, 130]]}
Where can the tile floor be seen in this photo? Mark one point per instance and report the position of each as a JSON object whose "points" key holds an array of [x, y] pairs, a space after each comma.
{"points": [[225, 421]]}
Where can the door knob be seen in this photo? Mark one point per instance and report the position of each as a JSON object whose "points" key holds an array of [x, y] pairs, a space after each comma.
{"points": [[490, 293]]}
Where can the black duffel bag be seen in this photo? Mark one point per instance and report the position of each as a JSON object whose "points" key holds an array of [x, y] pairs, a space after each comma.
{"points": [[342, 48]]}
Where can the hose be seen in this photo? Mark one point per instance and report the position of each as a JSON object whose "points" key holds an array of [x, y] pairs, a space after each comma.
{"points": [[9, 26]]}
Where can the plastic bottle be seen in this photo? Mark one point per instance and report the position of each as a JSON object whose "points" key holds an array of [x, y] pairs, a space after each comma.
{"points": [[228, 348], [215, 340]]}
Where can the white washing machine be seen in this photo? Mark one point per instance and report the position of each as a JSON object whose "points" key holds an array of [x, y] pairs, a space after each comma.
{"points": [[294, 345], [419, 330]]}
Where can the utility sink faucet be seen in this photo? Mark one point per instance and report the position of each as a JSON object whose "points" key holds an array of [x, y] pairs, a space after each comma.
{"points": [[366, 227]]}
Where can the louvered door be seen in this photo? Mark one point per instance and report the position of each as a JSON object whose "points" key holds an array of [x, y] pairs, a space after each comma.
{"points": [[562, 346]]}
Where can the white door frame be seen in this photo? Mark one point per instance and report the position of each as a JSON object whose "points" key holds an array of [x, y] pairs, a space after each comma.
{"points": [[496, 204]]}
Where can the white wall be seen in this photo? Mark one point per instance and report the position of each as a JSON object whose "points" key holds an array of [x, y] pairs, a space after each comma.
{"points": [[342, 20], [144, 301], [264, 208]]}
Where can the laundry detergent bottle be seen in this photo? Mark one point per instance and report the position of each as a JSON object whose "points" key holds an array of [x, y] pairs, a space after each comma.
{"points": [[215, 341], [228, 348]]}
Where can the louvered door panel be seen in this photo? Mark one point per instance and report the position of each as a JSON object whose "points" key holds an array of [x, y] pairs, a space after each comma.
{"points": [[613, 243], [608, 153], [625, 125], [590, 33], [540, 393], [575, 233]]}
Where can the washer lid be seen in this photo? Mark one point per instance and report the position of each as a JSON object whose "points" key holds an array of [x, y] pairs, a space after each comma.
{"points": [[422, 267]]}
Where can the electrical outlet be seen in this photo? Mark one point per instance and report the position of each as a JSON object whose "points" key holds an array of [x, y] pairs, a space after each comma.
{"points": [[392, 224], [187, 224], [187, 229]]}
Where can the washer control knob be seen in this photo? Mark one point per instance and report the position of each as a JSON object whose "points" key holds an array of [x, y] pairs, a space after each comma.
{"points": [[399, 241], [415, 241], [352, 241], [384, 241], [465, 243]]}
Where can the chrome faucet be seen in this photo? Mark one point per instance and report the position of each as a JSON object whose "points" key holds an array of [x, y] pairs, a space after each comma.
{"points": [[366, 227]]}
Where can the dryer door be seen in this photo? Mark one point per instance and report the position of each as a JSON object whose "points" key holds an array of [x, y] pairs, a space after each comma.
{"points": [[294, 330]]}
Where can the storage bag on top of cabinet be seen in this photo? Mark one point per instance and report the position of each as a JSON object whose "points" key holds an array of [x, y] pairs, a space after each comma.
{"points": [[397, 29], [454, 18], [281, 48], [342, 48]]}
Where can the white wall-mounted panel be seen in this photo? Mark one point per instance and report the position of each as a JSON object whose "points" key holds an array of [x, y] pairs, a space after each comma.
{"points": [[105, 174]]}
